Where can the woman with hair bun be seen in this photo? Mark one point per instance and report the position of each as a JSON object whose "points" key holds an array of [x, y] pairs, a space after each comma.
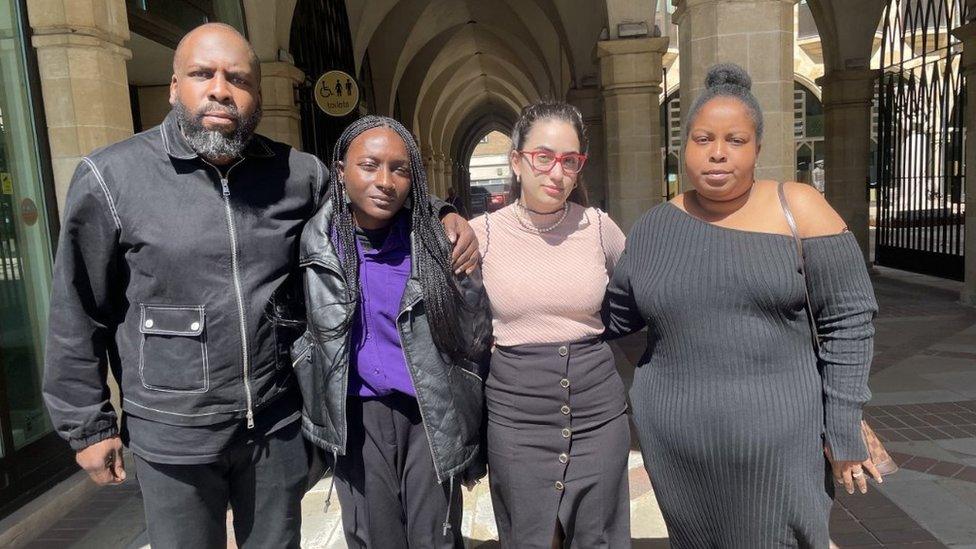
{"points": [[732, 406]]}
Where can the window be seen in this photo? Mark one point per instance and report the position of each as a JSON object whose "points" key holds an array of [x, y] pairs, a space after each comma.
{"points": [[799, 113], [25, 252], [674, 124], [32, 457]]}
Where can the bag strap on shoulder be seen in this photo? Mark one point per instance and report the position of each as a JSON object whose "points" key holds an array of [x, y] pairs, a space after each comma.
{"points": [[801, 264]]}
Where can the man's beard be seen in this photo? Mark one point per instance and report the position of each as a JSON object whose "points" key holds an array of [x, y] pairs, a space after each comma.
{"points": [[214, 144]]}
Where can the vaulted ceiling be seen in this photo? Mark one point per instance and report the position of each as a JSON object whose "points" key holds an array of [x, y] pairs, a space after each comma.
{"points": [[461, 68]]}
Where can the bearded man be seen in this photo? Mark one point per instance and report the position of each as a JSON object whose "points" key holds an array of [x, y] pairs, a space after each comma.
{"points": [[175, 273]]}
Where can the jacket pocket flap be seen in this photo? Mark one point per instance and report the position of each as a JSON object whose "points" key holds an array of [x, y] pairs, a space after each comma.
{"points": [[173, 320]]}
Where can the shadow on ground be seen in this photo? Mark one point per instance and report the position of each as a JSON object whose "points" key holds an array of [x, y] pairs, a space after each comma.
{"points": [[643, 543]]}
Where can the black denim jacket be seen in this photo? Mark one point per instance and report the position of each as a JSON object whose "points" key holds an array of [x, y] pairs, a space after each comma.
{"points": [[174, 274]]}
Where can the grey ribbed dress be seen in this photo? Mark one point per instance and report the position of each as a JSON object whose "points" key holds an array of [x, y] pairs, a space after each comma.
{"points": [[729, 401]]}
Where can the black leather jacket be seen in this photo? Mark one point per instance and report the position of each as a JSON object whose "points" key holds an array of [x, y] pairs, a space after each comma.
{"points": [[168, 270], [450, 396]]}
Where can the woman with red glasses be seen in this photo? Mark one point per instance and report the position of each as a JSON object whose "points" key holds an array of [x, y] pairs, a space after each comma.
{"points": [[558, 434]]}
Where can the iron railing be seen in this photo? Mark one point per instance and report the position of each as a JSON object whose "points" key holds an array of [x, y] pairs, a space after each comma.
{"points": [[921, 107]]}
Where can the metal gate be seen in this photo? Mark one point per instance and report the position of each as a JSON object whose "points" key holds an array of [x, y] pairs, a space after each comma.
{"points": [[320, 42], [921, 106]]}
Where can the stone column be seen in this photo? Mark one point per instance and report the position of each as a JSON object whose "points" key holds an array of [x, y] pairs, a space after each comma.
{"points": [[428, 156], [81, 60], [282, 118], [967, 33], [437, 185], [587, 100], [448, 180], [847, 96], [758, 35], [630, 81]]}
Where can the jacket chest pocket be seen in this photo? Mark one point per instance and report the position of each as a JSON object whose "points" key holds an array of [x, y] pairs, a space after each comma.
{"points": [[173, 350]]}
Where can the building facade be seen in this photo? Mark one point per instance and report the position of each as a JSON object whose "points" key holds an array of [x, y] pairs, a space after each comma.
{"points": [[489, 161], [871, 92]]}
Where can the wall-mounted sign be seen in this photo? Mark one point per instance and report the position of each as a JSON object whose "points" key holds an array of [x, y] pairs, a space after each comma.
{"points": [[28, 211], [336, 93], [7, 183]]}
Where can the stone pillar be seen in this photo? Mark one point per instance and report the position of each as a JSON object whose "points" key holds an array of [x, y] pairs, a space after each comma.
{"points": [[448, 180], [757, 35], [967, 33], [587, 100], [630, 81], [437, 185], [81, 60], [428, 156], [282, 118], [847, 96]]}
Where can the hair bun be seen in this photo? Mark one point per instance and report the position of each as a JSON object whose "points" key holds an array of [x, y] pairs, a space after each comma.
{"points": [[727, 74]]}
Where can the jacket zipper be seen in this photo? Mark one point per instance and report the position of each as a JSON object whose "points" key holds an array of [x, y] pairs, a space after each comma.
{"points": [[423, 419], [239, 293]]}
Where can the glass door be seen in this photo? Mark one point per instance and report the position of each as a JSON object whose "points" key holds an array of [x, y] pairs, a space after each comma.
{"points": [[32, 457], [25, 246]]}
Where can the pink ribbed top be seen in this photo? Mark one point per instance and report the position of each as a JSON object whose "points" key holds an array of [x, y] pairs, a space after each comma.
{"points": [[549, 287]]}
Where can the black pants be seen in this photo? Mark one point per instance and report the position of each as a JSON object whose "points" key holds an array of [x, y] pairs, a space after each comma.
{"points": [[386, 483], [263, 478]]}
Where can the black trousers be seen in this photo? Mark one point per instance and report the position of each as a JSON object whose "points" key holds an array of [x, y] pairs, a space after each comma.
{"points": [[386, 483], [261, 477]]}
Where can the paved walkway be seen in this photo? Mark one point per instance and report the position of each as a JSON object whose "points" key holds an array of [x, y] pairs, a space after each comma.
{"points": [[924, 406]]}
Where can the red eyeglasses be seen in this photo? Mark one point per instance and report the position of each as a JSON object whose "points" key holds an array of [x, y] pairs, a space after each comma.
{"points": [[545, 161]]}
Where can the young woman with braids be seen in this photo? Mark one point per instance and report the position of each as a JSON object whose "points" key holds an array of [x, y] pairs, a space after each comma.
{"points": [[389, 366], [558, 434]]}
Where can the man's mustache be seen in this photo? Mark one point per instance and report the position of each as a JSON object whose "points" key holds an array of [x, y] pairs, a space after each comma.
{"points": [[211, 108]]}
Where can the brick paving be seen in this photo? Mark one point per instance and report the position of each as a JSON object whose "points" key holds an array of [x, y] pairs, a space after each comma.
{"points": [[74, 527], [937, 467], [872, 520], [928, 421]]}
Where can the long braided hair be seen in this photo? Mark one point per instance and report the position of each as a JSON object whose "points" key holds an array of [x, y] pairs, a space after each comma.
{"points": [[442, 298]]}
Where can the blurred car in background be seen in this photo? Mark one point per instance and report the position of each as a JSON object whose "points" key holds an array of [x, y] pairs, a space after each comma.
{"points": [[498, 195], [488, 195], [479, 200]]}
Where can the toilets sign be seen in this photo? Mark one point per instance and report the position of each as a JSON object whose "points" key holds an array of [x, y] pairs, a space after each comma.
{"points": [[336, 93]]}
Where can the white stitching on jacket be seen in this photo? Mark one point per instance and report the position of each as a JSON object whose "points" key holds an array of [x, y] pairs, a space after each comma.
{"points": [[184, 415], [108, 196]]}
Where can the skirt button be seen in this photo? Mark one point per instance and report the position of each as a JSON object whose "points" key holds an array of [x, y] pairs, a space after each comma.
{"points": [[563, 351], [564, 410], [563, 458], [567, 433], [564, 383], [560, 485]]}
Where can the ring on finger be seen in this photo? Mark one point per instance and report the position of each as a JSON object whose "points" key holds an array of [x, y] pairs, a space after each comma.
{"points": [[857, 474]]}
